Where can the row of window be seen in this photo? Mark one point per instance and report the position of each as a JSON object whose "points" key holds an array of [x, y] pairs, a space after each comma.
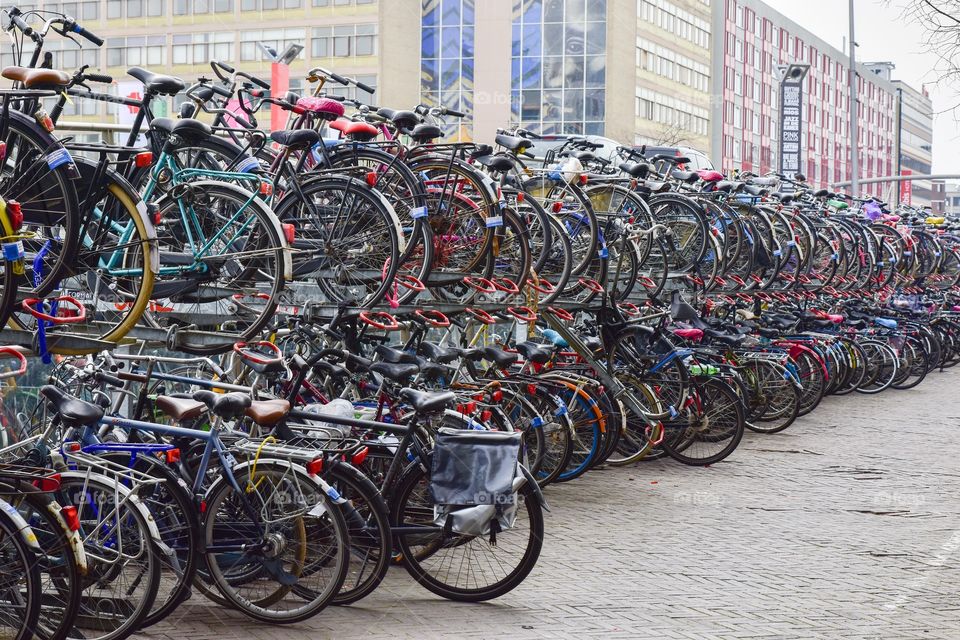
{"points": [[668, 64], [672, 112], [200, 48], [671, 18], [133, 9]]}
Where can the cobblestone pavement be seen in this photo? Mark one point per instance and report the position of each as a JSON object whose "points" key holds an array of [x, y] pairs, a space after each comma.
{"points": [[846, 525]]}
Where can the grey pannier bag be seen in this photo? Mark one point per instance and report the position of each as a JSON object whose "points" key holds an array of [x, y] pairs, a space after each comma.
{"points": [[474, 481]]}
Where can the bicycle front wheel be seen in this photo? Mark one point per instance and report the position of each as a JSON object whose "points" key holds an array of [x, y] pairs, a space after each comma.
{"points": [[277, 550]]}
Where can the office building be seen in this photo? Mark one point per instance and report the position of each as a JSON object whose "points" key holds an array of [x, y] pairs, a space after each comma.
{"points": [[752, 46]]}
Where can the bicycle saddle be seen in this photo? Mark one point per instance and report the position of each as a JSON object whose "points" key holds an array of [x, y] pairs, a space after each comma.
{"points": [[295, 138], [330, 369], [402, 119], [267, 413], [534, 352], [72, 410], [187, 128], [359, 131], [497, 162], [225, 405], [501, 357], [398, 372], [36, 78], [428, 401], [684, 176], [156, 83], [725, 338], [636, 169], [180, 408], [425, 133], [393, 355], [513, 143], [437, 353], [434, 371]]}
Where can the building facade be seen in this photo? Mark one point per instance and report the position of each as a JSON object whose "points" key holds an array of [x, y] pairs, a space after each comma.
{"points": [[754, 43], [633, 70], [915, 142]]}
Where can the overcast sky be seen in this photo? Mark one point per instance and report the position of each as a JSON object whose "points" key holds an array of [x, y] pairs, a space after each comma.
{"points": [[883, 35]]}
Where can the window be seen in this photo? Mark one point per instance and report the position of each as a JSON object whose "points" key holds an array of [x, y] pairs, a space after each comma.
{"points": [[276, 38], [200, 48], [134, 8], [344, 41], [114, 9], [156, 8]]}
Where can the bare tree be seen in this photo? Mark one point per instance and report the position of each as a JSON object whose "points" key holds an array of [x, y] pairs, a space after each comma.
{"points": [[940, 20], [671, 135]]}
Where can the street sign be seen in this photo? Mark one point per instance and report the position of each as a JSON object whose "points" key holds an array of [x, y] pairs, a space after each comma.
{"points": [[791, 117]]}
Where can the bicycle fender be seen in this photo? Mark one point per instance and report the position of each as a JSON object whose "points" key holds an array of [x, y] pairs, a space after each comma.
{"points": [[537, 490], [26, 533], [131, 498]]}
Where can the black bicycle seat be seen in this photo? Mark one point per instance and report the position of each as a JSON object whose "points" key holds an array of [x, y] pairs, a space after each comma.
{"points": [[428, 401], [72, 410]]}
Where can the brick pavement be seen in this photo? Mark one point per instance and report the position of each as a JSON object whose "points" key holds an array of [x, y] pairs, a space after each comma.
{"points": [[846, 525]]}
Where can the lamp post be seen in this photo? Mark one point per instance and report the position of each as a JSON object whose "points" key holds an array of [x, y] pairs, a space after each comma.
{"points": [[854, 115]]}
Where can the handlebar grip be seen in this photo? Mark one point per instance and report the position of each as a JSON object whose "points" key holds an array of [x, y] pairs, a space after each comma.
{"points": [[92, 37], [112, 380], [263, 84], [365, 87], [339, 78], [22, 25], [221, 91], [224, 66], [455, 114], [99, 77]]}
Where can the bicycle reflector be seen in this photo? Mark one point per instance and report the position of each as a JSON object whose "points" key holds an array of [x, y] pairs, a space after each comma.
{"points": [[314, 467], [49, 483], [143, 159], [266, 189], [172, 456], [289, 232], [360, 456], [71, 516], [15, 214], [371, 178]]}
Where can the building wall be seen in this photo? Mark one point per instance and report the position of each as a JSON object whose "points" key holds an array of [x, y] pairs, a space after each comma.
{"points": [[751, 41], [672, 60]]}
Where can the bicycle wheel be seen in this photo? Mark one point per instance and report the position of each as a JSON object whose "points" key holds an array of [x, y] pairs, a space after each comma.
{"points": [[123, 564], [278, 549], [347, 238], [222, 267], [371, 543], [460, 567], [58, 564], [635, 439], [881, 366], [714, 428], [20, 590], [114, 269], [37, 172], [774, 399]]}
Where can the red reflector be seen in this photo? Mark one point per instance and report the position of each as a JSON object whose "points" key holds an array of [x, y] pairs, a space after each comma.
{"points": [[371, 178], [15, 214], [266, 189], [583, 178], [144, 159], [486, 415], [50, 483], [3, 151], [314, 467], [71, 517], [520, 197], [359, 456], [172, 456], [497, 395], [203, 506], [557, 206], [289, 232], [531, 389], [72, 447]]}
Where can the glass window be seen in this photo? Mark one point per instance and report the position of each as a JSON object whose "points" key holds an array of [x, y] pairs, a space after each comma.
{"points": [[292, 4], [114, 9], [321, 3], [156, 7], [223, 6], [134, 8]]}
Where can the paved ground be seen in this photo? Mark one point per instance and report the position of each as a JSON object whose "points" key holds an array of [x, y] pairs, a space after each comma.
{"points": [[846, 525]]}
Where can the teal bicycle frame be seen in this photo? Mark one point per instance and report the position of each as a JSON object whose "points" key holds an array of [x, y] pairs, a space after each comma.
{"points": [[200, 246]]}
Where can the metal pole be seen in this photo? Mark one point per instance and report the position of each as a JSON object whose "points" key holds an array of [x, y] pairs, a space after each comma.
{"points": [[854, 137], [899, 135]]}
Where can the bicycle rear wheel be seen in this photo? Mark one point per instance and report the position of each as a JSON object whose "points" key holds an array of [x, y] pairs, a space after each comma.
{"points": [[460, 567]]}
